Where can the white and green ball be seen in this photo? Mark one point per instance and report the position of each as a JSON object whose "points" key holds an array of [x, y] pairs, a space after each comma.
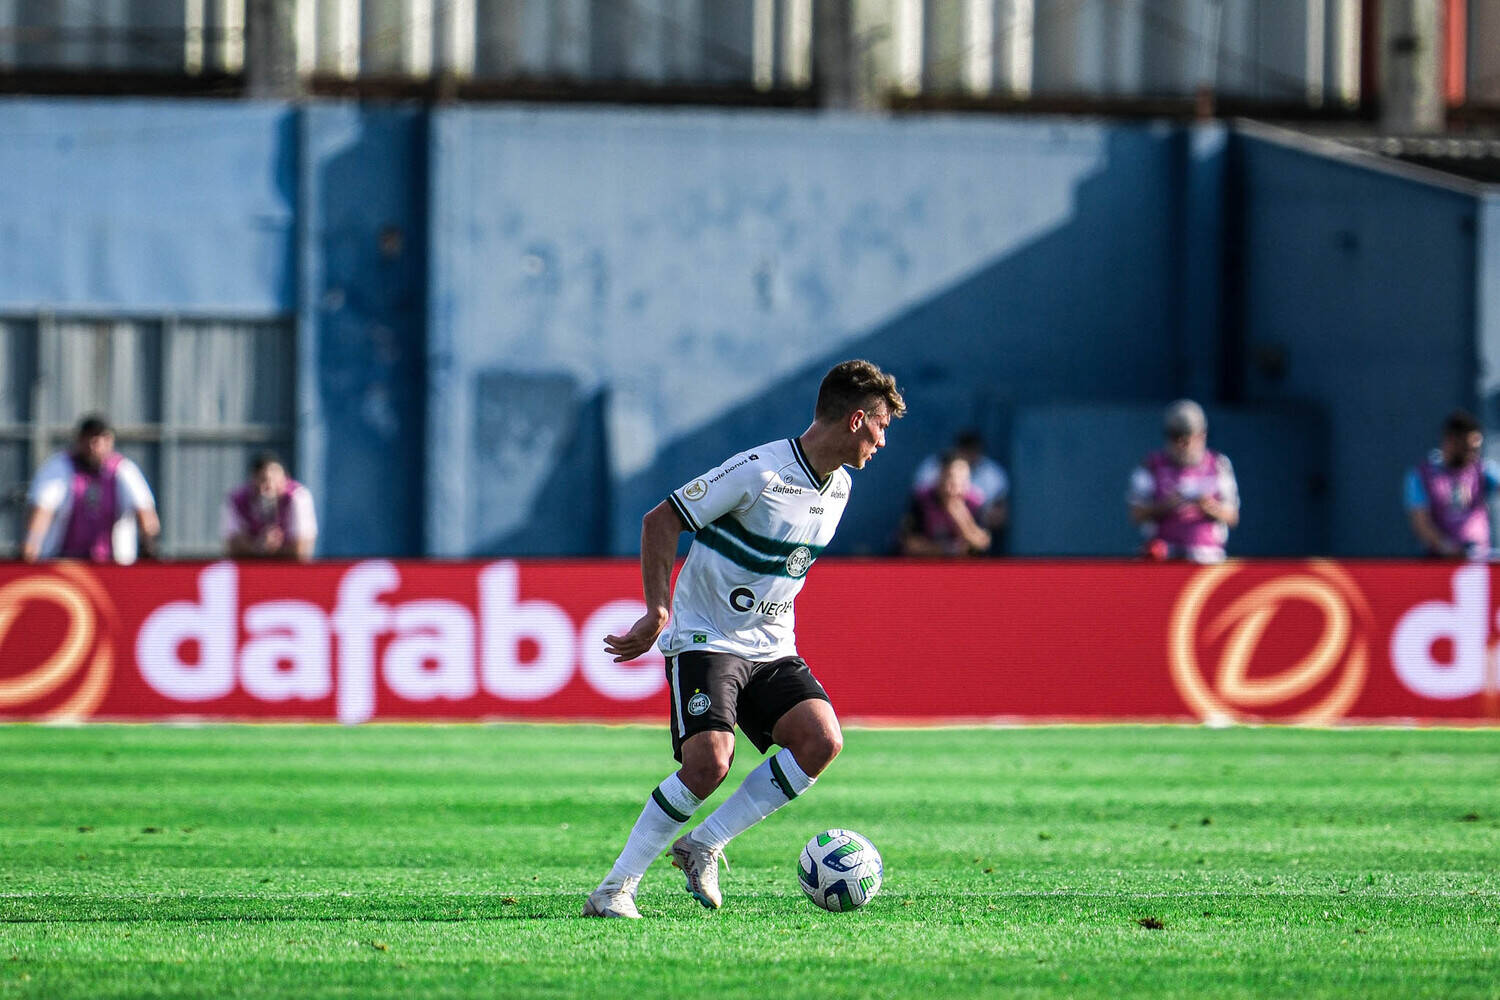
{"points": [[840, 870]]}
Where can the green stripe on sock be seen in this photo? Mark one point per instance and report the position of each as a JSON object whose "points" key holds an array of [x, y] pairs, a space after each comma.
{"points": [[779, 776], [666, 807]]}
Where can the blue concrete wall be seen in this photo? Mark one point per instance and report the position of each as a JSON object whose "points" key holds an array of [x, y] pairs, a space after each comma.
{"points": [[1357, 291], [520, 327], [362, 322], [156, 206], [675, 284], [1077, 460]]}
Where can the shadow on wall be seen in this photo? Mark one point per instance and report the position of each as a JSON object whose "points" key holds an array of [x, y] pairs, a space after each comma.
{"points": [[521, 423], [370, 308], [1089, 311]]}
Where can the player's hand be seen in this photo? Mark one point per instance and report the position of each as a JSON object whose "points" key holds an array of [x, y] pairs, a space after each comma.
{"points": [[639, 639]]}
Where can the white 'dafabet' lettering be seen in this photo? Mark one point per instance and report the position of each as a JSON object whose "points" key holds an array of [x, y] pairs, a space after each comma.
{"points": [[440, 633], [641, 677], [1464, 622], [287, 655], [505, 622], [210, 623], [433, 653]]}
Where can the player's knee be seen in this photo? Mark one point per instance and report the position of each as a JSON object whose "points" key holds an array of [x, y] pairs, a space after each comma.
{"points": [[815, 751], [705, 771]]}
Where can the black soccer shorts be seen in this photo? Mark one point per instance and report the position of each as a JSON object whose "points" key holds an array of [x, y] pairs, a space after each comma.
{"points": [[715, 691]]}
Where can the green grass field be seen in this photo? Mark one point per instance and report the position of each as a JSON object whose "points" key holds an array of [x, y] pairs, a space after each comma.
{"points": [[452, 861]]}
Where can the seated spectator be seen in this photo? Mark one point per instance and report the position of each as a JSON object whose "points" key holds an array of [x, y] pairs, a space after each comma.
{"points": [[943, 518], [986, 478], [1184, 496], [270, 516], [90, 502], [1447, 496]]}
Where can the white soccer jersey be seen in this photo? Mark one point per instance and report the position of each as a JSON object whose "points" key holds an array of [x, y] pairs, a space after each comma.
{"points": [[759, 521]]}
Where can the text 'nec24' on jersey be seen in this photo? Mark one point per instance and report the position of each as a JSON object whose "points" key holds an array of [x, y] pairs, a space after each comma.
{"points": [[759, 521]]}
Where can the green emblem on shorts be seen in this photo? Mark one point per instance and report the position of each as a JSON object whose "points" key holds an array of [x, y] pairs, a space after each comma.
{"points": [[699, 637]]}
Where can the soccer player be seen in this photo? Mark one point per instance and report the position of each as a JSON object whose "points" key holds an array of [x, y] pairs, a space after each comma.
{"points": [[759, 520]]}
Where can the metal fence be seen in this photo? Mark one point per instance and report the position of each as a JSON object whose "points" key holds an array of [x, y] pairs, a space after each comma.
{"points": [[1309, 52], [191, 398]]}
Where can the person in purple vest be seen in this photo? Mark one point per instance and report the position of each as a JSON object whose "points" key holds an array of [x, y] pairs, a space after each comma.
{"points": [[1184, 497], [943, 517], [90, 502], [270, 516], [1447, 496]]}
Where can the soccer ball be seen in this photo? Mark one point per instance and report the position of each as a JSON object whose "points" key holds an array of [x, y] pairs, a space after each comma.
{"points": [[840, 870]]}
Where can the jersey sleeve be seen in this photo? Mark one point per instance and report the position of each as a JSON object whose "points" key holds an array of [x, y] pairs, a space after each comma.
{"points": [[733, 486], [1138, 494], [50, 486], [1414, 493], [1229, 488], [229, 519], [135, 494], [302, 520]]}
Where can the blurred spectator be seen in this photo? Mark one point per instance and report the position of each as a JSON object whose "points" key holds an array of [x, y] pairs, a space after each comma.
{"points": [[270, 516], [943, 518], [1184, 496], [986, 478], [90, 502], [1447, 496]]}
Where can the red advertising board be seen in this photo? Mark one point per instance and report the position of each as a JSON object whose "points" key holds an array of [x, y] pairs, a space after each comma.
{"points": [[1308, 642]]}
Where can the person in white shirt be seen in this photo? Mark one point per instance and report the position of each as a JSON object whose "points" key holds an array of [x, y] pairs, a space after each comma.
{"points": [[269, 516], [987, 479], [90, 502]]}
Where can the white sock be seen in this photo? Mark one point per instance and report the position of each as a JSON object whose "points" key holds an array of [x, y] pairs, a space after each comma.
{"points": [[777, 781], [669, 807]]}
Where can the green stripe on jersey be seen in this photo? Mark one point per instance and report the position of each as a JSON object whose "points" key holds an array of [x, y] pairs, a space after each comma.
{"points": [[737, 554], [762, 545], [666, 807]]}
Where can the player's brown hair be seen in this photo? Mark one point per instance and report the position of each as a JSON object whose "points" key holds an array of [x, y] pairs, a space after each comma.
{"points": [[857, 385]]}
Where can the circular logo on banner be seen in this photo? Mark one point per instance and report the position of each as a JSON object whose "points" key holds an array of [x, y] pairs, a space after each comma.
{"points": [[798, 562], [1293, 648], [66, 674]]}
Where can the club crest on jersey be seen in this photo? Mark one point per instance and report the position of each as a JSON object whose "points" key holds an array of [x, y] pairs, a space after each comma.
{"points": [[695, 489], [698, 704], [798, 562]]}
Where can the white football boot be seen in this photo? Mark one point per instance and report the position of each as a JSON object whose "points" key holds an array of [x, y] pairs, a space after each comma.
{"points": [[614, 899], [701, 867]]}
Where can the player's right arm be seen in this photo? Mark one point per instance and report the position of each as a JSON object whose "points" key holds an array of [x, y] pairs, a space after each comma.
{"points": [[659, 532]]}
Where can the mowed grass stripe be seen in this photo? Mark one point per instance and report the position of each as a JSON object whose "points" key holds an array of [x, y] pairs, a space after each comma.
{"points": [[451, 861]]}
